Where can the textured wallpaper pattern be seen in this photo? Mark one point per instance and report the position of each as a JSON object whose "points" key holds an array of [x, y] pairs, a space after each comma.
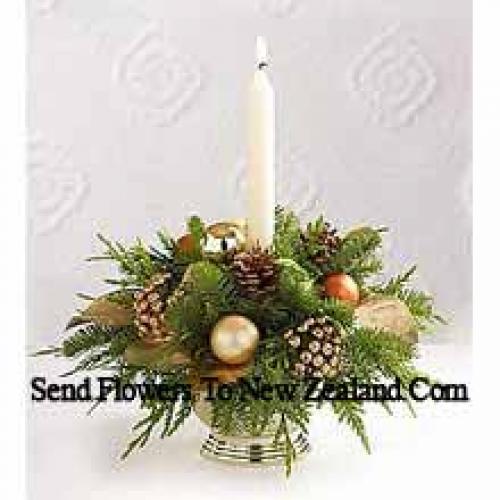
{"points": [[136, 114]]}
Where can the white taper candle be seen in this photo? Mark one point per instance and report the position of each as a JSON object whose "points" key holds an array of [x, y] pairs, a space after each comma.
{"points": [[261, 153]]}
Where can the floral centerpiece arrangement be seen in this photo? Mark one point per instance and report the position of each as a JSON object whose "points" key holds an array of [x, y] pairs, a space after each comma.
{"points": [[205, 312]]}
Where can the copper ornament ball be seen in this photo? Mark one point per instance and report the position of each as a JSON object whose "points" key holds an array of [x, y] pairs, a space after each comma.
{"points": [[342, 287], [186, 243], [234, 339]]}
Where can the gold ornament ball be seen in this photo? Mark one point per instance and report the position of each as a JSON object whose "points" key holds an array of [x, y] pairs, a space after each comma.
{"points": [[342, 287], [234, 339]]}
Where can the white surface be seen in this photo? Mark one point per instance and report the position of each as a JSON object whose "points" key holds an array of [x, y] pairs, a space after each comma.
{"points": [[74, 456], [12, 215], [136, 118]]}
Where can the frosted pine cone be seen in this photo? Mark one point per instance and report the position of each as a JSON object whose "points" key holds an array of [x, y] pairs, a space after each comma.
{"points": [[318, 345]]}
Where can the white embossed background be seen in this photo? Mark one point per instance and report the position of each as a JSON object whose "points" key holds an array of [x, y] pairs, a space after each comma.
{"points": [[136, 119]]}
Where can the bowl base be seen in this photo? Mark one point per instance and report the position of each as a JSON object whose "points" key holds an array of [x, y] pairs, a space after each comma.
{"points": [[251, 451]]}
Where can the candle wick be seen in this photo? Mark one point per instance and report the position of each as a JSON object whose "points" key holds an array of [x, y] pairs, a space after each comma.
{"points": [[261, 54]]}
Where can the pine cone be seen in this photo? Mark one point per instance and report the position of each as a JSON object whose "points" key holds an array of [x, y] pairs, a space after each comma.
{"points": [[318, 344], [321, 245], [256, 272], [149, 306]]}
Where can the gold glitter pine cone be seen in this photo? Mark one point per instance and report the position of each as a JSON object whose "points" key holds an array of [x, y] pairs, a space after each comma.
{"points": [[319, 347], [255, 271], [149, 308]]}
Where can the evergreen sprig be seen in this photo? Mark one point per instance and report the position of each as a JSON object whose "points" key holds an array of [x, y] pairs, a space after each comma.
{"points": [[167, 414], [358, 254], [207, 294], [96, 346], [287, 234], [351, 413], [136, 263]]}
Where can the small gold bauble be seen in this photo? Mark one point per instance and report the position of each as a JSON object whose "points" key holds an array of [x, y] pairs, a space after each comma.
{"points": [[219, 237], [224, 236], [234, 339]]}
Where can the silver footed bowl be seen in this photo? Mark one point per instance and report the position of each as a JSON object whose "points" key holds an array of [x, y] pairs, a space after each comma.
{"points": [[243, 447]]}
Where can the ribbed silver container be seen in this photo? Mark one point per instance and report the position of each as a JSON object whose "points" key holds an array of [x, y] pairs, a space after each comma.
{"points": [[244, 448]]}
